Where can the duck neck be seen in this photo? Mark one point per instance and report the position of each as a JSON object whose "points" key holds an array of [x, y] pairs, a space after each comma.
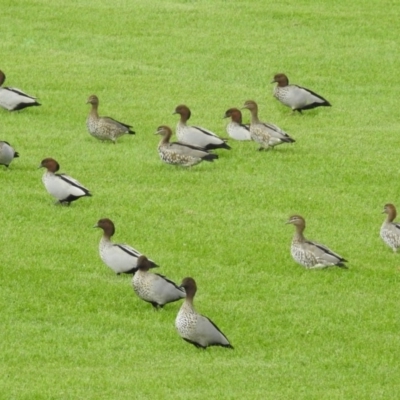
{"points": [[298, 235]]}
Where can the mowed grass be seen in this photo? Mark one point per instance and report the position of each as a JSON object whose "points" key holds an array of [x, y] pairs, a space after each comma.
{"points": [[72, 329]]}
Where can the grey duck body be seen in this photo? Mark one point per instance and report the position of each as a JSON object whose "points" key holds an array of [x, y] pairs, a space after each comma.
{"points": [[104, 128], [390, 230], [7, 153], [156, 289], [310, 254], [194, 327], [13, 99]]}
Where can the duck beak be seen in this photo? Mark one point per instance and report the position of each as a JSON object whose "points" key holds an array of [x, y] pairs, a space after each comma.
{"points": [[274, 81], [40, 166], [95, 226]]}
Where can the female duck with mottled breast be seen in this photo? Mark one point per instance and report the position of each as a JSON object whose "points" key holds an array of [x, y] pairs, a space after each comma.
{"points": [[7, 153], [121, 258], [155, 289], [13, 99], [177, 153], [194, 135], [194, 327], [309, 254], [265, 134], [235, 129], [390, 230], [61, 186], [296, 97], [104, 128]]}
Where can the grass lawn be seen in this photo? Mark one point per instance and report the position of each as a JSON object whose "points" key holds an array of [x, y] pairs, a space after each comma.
{"points": [[71, 329]]}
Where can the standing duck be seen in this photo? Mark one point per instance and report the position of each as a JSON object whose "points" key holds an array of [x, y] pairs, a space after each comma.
{"points": [[390, 230], [13, 99], [235, 129], [104, 128], [311, 255], [156, 289], [296, 97], [265, 134], [194, 135], [180, 153], [61, 186], [7, 153], [194, 327], [121, 258]]}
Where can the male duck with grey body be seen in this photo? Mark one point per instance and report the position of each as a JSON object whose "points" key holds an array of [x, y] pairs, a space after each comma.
{"points": [[390, 230]]}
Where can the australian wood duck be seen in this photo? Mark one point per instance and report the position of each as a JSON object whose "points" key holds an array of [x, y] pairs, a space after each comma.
{"points": [[194, 327], [180, 153], [121, 258], [265, 134], [296, 97], [104, 128], [390, 230], [309, 254], [156, 289], [194, 135], [13, 99], [61, 186], [235, 129], [7, 153]]}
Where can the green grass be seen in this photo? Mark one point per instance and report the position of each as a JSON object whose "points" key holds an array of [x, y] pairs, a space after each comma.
{"points": [[71, 329]]}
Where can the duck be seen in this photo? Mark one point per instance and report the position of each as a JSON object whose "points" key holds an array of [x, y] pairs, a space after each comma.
{"points": [[104, 128], [309, 254], [194, 135], [121, 258], [178, 153], [194, 327], [13, 99], [235, 129], [7, 153], [390, 230], [156, 289], [61, 186], [265, 134], [296, 97]]}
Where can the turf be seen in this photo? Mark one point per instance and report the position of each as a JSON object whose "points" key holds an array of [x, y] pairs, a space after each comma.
{"points": [[72, 329]]}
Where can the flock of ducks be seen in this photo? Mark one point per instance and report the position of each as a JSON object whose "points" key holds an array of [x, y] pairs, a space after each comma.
{"points": [[195, 144]]}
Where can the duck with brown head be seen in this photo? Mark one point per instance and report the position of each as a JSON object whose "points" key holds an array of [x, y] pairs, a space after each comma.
{"points": [[13, 99], [156, 289], [194, 327], [121, 258], [61, 186], [235, 129], [296, 97], [104, 128], [309, 254], [265, 134], [390, 230], [194, 135], [178, 153]]}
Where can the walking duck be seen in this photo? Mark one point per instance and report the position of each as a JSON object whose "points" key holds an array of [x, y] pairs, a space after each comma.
{"points": [[156, 289], [390, 230], [104, 128], [61, 186], [13, 99], [235, 129], [194, 135], [177, 153], [296, 97], [7, 153], [194, 327], [309, 254], [121, 258], [265, 134]]}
